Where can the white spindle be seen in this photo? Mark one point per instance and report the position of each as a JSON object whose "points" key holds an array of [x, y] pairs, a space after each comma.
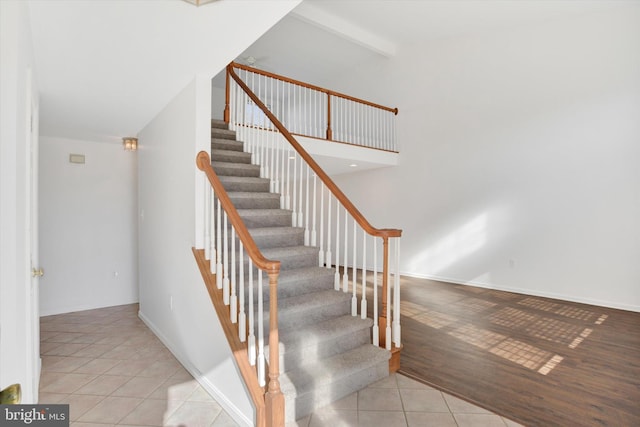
{"points": [[306, 213], [287, 197], [354, 279], [328, 257], [396, 297], [261, 370], [345, 266], [219, 247], [314, 210], [294, 213], [376, 330], [300, 217], [321, 253], [389, 302], [212, 228], [336, 284], [207, 213], [363, 302], [225, 260], [233, 309], [242, 317], [251, 347]]}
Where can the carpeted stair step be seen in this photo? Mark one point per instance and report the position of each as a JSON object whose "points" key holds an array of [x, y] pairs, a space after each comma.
{"points": [[235, 169], [296, 282], [256, 218], [230, 156], [226, 144], [308, 346], [219, 124], [313, 386], [219, 133], [253, 200], [303, 310], [292, 257], [277, 237], [245, 184]]}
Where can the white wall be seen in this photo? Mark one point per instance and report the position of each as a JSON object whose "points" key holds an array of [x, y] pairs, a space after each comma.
{"points": [[16, 58], [173, 299], [520, 153], [88, 226]]}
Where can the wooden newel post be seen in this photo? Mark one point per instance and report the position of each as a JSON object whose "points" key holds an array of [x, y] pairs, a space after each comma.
{"points": [[226, 98], [329, 131], [382, 319], [274, 399]]}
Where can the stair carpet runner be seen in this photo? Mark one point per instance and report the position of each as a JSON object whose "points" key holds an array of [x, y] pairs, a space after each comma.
{"points": [[325, 352]]}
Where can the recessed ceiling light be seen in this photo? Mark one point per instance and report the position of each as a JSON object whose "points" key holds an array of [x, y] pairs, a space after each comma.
{"points": [[353, 165]]}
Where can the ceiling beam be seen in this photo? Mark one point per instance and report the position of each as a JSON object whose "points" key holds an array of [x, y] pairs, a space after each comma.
{"points": [[343, 28]]}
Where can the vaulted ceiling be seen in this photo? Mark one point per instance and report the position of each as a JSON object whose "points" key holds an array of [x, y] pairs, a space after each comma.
{"points": [[105, 68]]}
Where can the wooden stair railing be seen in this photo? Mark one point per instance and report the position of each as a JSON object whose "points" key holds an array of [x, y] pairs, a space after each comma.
{"points": [[384, 338], [270, 405], [342, 112]]}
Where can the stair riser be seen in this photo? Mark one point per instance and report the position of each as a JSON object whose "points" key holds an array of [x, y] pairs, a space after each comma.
{"points": [[223, 134], [226, 144], [288, 289], [231, 156], [276, 219], [219, 124], [297, 407], [295, 319], [236, 169], [256, 202], [245, 186], [311, 354]]}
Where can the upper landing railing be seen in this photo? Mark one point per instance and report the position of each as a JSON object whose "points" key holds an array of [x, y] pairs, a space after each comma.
{"points": [[315, 112]]}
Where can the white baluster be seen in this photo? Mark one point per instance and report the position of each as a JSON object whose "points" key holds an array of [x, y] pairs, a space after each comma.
{"points": [[389, 302], [283, 162], [306, 214], [376, 330], [212, 228], [300, 217], [363, 302], [336, 283], [321, 253], [345, 269], [396, 297], [354, 279], [219, 247], [225, 261], [294, 213], [233, 309], [242, 317], [261, 367], [207, 213], [287, 197], [328, 257], [251, 347], [313, 209]]}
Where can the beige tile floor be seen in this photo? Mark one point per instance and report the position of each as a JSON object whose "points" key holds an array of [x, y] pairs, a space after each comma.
{"points": [[112, 370]]}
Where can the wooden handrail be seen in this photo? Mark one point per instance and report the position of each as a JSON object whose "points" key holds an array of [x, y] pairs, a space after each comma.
{"points": [[310, 86], [203, 161], [355, 213]]}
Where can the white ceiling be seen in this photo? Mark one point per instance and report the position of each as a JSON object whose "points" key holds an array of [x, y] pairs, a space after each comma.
{"points": [[105, 67]]}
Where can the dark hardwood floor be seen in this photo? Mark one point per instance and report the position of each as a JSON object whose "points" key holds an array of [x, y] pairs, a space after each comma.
{"points": [[537, 361]]}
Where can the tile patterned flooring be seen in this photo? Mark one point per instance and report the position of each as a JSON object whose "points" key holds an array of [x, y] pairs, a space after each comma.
{"points": [[112, 370]]}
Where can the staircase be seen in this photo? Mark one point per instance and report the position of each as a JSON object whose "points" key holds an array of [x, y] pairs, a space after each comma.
{"points": [[325, 352]]}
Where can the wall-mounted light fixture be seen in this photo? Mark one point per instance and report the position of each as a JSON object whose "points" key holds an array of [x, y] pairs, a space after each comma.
{"points": [[130, 144]]}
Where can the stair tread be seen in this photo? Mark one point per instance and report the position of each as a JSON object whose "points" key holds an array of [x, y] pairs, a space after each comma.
{"points": [[243, 178], [306, 302], [322, 331], [270, 231], [307, 378], [263, 212], [283, 252]]}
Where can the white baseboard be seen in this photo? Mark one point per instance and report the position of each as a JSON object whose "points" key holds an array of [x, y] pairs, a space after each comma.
{"points": [[50, 311], [551, 295], [214, 391]]}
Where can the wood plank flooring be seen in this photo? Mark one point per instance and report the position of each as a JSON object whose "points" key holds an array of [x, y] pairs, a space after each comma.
{"points": [[537, 361]]}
